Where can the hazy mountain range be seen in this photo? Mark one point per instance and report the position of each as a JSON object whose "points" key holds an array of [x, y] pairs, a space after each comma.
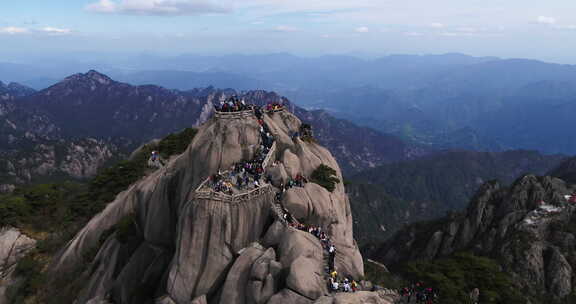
{"points": [[37, 126], [443, 101]]}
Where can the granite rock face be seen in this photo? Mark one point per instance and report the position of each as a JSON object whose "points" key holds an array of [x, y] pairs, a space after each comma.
{"points": [[187, 247], [13, 246], [525, 227]]}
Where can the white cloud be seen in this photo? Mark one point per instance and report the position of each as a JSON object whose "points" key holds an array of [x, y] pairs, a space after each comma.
{"points": [[362, 29], [566, 27], [285, 28], [160, 7], [413, 34], [546, 20], [56, 31], [457, 34], [468, 30], [103, 6], [437, 25], [473, 32], [12, 30]]}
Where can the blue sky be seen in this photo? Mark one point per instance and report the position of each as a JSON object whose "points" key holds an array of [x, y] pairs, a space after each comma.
{"points": [[511, 28]]}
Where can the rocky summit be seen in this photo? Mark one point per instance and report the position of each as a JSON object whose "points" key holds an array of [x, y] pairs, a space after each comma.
{"points": [[184, 234]]}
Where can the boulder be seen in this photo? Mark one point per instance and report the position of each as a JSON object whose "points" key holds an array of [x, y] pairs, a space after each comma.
{"points": [[363, 297], [308, 203], [165, 299], [14, 245], [278, 175], [307, 277], [259, 292], [234, 288], [291, 163], [200, 300], [287, 296]]}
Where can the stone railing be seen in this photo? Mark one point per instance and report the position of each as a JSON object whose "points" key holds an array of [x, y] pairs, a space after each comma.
{"points": [[199, 189], [234, 115], [234, 199], [269, 156]]}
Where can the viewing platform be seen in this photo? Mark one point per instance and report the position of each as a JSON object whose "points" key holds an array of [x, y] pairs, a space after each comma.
{"points": [[205, 189]]}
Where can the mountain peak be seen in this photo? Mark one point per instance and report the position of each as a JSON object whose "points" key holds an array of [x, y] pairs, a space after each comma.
{"points": [[92, 76], [14, 90]]}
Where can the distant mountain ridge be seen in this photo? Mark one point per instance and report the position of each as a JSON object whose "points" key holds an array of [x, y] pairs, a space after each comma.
{"points": [[448, 101], [14, 90], [123, 116]]}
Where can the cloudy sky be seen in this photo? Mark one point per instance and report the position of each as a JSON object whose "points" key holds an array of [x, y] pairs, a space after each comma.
{"points": [[506, 28]]}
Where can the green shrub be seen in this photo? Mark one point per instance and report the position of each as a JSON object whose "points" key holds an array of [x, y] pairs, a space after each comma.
{"points": [[457, 275], [30, 270], [13, 209], [325, 177]]}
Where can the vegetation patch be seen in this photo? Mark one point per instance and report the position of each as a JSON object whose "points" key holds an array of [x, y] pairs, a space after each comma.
{"points": [[57, 211], [325, 177], [306, 133], [29, 268], [457, 275]]}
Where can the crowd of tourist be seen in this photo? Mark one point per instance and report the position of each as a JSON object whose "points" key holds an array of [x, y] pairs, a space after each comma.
{"points": [[235, 104], [345, 285], [245, 175], [232, 104], [299, 181], [273, 106], [221, 183], [419, 294]]}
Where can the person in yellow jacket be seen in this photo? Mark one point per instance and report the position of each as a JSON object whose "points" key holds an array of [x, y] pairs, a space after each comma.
{"points": [[354, 286], [334, 275]]}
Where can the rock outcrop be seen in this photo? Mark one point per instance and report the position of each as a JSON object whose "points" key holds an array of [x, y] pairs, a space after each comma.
{"points": [[205, 248], [53, 159], [13, 246], [527, 228]]}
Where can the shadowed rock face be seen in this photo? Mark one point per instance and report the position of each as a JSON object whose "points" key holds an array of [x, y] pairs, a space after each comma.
{"points": [[528, 227], [211, 250]]}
